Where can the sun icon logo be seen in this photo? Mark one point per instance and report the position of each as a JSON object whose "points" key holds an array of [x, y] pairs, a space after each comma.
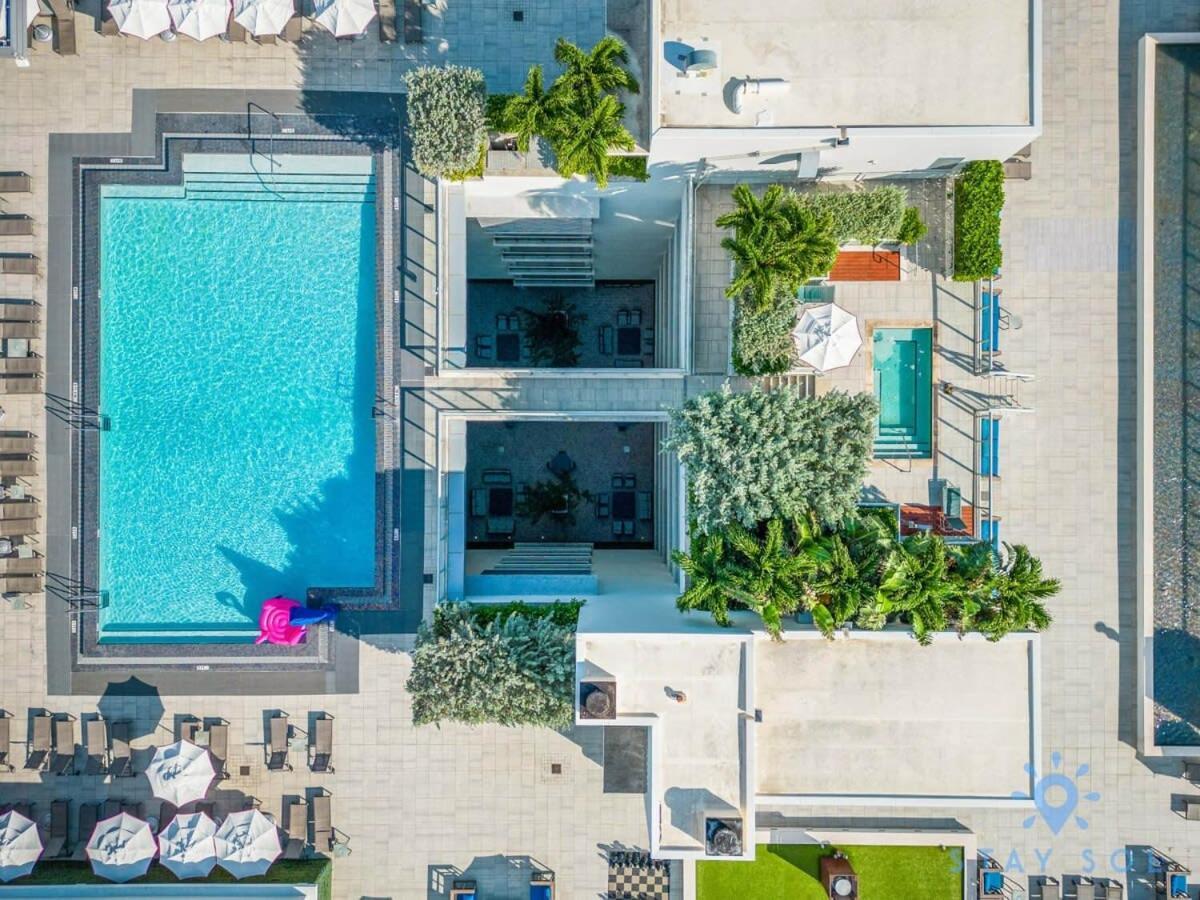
{"points": [[1056, 795]]}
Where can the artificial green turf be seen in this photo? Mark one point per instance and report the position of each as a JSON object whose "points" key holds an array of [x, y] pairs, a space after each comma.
{"points": [[790, 872]]}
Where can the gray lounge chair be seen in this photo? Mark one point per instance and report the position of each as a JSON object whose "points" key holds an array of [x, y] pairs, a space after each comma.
{"points": [[89, 815], [218, 748], [21, 384], [22, 442], [18, 467], [236, 32], [11, 528], [1085, 887], [15, 565], [39, 742], [208, 808], [20, 365], [15, 183], [387, 21], [1051, 889], [296, 821], [62, 760], [166, 812], [19, 310], [120, 763], [18, 509], [133, 808], [15, 225], [18, 264], [293, 31], [64, 27], [1113, 890], [96, 737], [322, 745], [322, 823], [60, 818], [277, 744], [6, 743], [21, 584], [1191, 770]]}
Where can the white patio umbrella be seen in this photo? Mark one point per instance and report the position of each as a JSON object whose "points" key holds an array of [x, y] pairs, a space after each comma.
{"points": [[826, 337], [186, 845], [121, 848], [32, 10], [199, 19], [20, 845], [141, 18], [345, 17], [261, 17], [247, 844], [180, 773]]}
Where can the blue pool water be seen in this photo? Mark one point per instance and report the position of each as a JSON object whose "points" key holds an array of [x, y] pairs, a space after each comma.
{"points": [[237, 377], [902, 363]]}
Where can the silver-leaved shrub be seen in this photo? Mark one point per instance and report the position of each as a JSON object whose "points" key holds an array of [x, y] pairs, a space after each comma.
{"points": [[446, 118], [513, 670], [761, 455]]}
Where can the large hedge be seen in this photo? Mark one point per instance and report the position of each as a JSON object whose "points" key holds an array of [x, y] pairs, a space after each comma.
{"points": [[511, 669], [758, 455], [860, 216], [978, 201], [762, 338], [446, 118]]}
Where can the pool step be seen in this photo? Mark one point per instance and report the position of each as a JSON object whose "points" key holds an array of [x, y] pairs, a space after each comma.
{"points": [[897, 443], [322, 187]]}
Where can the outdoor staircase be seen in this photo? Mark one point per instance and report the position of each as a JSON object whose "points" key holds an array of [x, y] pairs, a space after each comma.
{"points": [[269, 176], [792, 381], [545, 559], [545, 252]]}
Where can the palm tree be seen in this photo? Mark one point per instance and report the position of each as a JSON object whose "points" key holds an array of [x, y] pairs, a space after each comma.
{"points": [[589, 76], [769, 576], [533, 112], [776, 247], [710, 577], [1018, 591], [762, 265], [584, 144], [917, 585], [753, 215], [846, 568], [812, 240]]}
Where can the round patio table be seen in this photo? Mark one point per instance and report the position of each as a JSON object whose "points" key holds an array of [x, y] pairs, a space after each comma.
{"points": [[561, 464]]}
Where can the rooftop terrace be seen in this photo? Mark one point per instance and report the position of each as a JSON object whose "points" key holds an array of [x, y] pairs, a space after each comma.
{"points": [[849, 62]]}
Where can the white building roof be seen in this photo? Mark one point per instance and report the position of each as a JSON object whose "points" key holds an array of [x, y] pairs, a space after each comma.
{"points": [[849, 62]]}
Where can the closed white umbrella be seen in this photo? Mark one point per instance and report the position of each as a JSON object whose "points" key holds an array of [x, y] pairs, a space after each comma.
{"points": [[141, 18], [827, 337], [186, 845], [180, 773], [121, 848], [20, 845], [247, 844], [345, 17], [262, 17], [199, 19]]}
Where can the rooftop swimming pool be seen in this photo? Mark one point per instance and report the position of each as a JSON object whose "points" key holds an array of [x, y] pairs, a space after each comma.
{"points": [[237, 379], [902, 360]]}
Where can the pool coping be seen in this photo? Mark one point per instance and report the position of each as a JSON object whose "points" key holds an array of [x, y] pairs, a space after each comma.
{"points": [[332, 664]]}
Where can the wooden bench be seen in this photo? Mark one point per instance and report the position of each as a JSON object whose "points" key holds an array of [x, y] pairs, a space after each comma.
{"points": [[866, 265]]}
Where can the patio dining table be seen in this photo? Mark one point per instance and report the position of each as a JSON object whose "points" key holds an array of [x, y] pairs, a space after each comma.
{"points": [[623, 504], [629, 341]]}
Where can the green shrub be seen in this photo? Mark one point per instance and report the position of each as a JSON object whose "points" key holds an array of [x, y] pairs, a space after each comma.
{"points": [[756, 455], [762, 339], [284, 871], [978, 201], [862, 217], [562, 612], [512, 670], [446, 118], [912, 229], [494, 112], [628, 167], [475, 170]]}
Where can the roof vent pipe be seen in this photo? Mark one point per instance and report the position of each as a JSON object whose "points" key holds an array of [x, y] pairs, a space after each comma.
{"points": [[763, 87]]}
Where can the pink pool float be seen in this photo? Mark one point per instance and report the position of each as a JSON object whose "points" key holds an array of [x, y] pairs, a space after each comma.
{"points": [[275, 623]]}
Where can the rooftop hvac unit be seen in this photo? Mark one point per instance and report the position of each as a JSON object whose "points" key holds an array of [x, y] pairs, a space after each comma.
{"points": [[700, 63], [722, 836]]}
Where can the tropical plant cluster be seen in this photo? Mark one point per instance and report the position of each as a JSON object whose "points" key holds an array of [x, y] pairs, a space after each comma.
{"points": [[759, 455], [978, 202], [858, 572], [860, 216], [510, 667], [580, 114], [446, 119], [762, 338]]}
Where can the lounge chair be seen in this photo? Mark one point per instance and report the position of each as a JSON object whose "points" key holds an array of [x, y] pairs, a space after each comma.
{"points": [[111, 807], [277, 744], [1085, 887], [39, 742], [15, 183], [96, 736], [108, 25], [266, 40], [14, 565], [20, 384], [11, 528], [463, 889], [1113, 890], [18, 443], [236, 32], [18, 509], [21, 584], [293, 31], [387, 21], [20, 330], [60, 818], [322, 745], [296, 825], [64, 27], [166, 812], [20, 365], [1051, 889], [218, 748], [133, 808], [322, 823], [89, 815], [18, 264], [15, 225], [16, 310], [187, 729], [18, 467], [541, 886], [120, 764], [6, 742], [208, 808], [62, 760]]}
